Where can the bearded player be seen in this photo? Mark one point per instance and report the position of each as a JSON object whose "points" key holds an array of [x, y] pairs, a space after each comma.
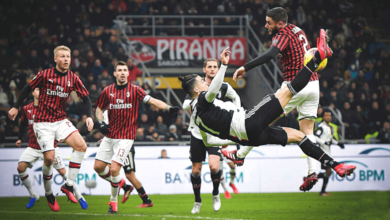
{"points": [[291, 42], [50, 122], [122, 100], [33, 153]]}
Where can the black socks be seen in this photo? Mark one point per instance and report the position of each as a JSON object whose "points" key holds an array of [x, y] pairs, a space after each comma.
{"points": [[216, 178], [196, 182], [144, 196], [303, 77], [315, 152], [325, 183]]}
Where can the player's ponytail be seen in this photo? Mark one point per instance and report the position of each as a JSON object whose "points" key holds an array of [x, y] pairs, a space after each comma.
{"points": [[188, 83]]}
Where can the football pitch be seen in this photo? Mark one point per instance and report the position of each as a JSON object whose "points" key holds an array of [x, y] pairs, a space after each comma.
{"points": [[341, 205]]}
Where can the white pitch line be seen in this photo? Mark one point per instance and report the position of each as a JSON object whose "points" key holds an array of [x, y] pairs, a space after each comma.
{"points": [[124, 215]]}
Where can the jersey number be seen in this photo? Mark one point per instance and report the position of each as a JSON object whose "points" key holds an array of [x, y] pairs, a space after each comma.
{"points": [[302, 37], [121, 152]]}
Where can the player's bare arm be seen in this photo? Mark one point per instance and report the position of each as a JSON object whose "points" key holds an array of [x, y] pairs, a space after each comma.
{"points": [[104, 127], [174, 110]]}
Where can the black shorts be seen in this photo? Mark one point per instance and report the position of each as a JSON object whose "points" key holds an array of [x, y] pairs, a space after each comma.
{"points": [[198, 150], [129, 164], [257, 120]]}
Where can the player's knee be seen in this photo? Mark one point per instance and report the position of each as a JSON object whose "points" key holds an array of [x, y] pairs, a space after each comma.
{"points": [[196, 172], [21, 169], [114, 172], [48, 161], [214, 168], [98, 168]]}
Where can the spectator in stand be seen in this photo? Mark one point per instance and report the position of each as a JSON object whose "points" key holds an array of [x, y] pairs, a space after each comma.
{"points": [[84, 69], [155, 137], [360, 80], [163, 154], [375, 98], [113, 45], [160, 126], [384, 134], [33, 61], [362, 120], [134, 72], [173, 136], [97, 69], [94, 136], [105, 77], [98, 49], [363, 102], [76, 60], [374, 115], [3, 98], [90, 58], [81, 125], [13, 93], [72, 107], [335, 99], [120, 54], [351, 100], [153, 113], [349, 119], [82, 46], [144, 122], [140, 135], [94, 93]]}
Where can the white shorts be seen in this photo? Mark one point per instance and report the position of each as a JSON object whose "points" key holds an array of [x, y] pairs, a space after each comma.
{"points": [[306, 101], [31, 156], [114, 150], [47, 132]]}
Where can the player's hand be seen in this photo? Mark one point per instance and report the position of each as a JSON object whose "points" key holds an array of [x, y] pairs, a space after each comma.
{"points": [[18, 143], [13, 113], [89, 123], [174, 110], [104, 128], [239, 73], [341, 145], [225, 56]]}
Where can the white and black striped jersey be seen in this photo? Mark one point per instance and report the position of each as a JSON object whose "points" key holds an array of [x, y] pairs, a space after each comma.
{"points": [[324, 134], [214, 118], [226, 93]]}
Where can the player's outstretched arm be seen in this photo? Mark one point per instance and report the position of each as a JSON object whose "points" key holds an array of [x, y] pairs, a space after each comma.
{"points": [[232, 94], [15, 109], [263, 58], [215, 85], [174, 110]]}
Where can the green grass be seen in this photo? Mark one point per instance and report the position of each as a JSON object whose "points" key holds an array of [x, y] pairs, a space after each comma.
{"points": [[341, 205]]}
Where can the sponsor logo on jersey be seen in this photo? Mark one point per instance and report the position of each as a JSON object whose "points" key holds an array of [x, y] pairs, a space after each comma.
{"points": [[112, 95], [29, 111], [51, 80], [120, 105], [58, 92]]}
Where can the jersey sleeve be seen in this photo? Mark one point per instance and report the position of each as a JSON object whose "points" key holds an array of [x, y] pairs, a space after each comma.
{"points": [[232, 94], [37, 81], [79, 88], [187, 103], [24, 115], [102, 101], [141, 95], [280, 41]]}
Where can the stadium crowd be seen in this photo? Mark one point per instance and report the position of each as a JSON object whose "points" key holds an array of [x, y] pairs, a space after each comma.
{"points": [[356, 82]]}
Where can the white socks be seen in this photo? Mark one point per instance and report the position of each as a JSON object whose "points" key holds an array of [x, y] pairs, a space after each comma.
{"points": [[47, 176], [244, 150], [115, 182], [27, 183], [106, 174], [74, 167]]}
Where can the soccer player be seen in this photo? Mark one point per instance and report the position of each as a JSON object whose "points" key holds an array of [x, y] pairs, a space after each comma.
{"points": [[324, 137], [198, 149], [291, 42], [50, 122], [33, 153], [122, 100], [223, 123]]}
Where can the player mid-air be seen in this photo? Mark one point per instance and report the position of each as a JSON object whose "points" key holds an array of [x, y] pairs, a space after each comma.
{"points": [[223, 123], [198, 149], [33, 153], [121, 100], [291, 42], [50, 122]]}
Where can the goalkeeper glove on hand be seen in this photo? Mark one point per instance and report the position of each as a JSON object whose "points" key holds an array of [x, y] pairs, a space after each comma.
{"points": [[341, 145]]}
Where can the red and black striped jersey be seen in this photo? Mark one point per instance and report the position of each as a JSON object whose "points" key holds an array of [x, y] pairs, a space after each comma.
{"points": [[28, 114], [122, 103], [54, 90], [293, 43]]}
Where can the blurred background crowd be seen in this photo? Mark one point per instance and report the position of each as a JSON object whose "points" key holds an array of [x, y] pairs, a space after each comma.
{"points": [[355, 84]]}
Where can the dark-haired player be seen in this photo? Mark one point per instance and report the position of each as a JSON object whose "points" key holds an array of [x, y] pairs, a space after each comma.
{"points": [[223, 123], [122, 100], [33, 153], [50, 122], [291, 42], [324, 138], [198, 149]]}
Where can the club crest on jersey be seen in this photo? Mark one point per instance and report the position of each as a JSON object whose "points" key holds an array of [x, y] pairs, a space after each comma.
{"points": [[120, 104], [128, 94], [68, 83]]}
